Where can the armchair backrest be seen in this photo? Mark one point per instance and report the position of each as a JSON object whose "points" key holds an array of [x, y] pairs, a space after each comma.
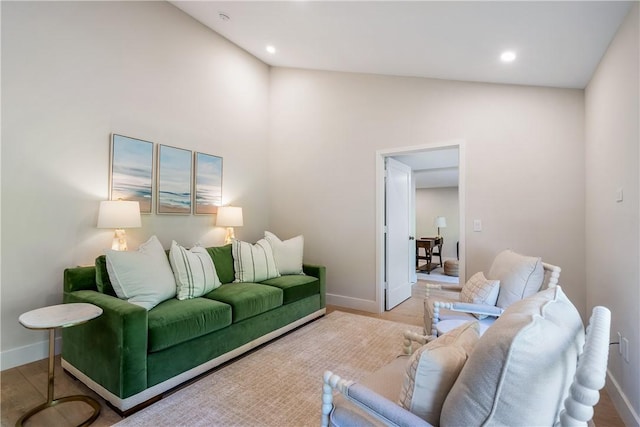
{"points": [[520, 276]]}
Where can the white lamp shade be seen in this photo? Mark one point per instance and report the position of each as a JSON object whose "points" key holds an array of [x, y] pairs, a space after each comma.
{"points": [[119, 214], [440, 222], [229, 216]]}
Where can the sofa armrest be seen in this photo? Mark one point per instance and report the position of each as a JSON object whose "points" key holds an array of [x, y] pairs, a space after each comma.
{"points": [[320, 272], [112, 348], [80, 278], [390, 413]]}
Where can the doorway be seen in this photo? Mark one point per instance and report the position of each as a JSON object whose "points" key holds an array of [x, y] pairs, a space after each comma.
{"points": [[430, 153]]}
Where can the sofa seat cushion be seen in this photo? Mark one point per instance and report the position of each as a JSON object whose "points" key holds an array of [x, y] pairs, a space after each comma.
{"points": [[173, 321], [247, 299], [295, 287]]}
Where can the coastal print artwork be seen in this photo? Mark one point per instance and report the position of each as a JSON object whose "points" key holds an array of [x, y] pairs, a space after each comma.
{"points": [[208, 183], [174, 180], [131, 171]]}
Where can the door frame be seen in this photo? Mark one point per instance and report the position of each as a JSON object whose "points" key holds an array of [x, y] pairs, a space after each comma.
{"points": [[380, 195]]}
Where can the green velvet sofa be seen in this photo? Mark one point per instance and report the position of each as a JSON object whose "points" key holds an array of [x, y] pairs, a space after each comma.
{"points": [[131, 356]]}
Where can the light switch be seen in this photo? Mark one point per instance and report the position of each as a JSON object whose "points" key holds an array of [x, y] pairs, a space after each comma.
{"points": [[477, 225], [619, 195]]}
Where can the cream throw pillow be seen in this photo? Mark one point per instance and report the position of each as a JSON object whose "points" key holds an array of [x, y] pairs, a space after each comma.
{"points": [[143, 277], [433, 369], [520, 276], [253, 263], [521, 369], [480, 290], [287, 254], [193, 270]]}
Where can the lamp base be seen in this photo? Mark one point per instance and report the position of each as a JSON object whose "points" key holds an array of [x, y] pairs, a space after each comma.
{"points": [[119, 240], [230, 236]]}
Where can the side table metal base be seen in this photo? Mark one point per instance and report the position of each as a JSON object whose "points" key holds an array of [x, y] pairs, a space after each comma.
{"points": [[79, 398]]}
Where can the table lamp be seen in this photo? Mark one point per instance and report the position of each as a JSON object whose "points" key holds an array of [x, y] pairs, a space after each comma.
{"points": [[119, 214], [440, 222], [229, 216]]}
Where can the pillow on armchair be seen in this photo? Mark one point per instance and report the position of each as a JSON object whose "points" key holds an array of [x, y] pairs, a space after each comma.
{"points": [[480, 290], [432, 370], [520, 276]]}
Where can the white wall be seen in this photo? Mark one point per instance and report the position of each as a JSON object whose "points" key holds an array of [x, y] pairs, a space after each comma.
{"points": [[525, 168], [612, 228], [432, 202], [72, 73]]}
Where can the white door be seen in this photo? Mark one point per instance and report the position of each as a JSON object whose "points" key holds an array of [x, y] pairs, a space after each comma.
{"points": [[398, 241]]}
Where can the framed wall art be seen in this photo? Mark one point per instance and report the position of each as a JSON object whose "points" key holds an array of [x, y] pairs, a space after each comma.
{"points": [[174, 180], [207, 184], [131, 171]]}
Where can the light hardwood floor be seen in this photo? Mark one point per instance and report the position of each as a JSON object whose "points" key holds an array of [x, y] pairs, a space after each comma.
{"points": [[25, 386]]}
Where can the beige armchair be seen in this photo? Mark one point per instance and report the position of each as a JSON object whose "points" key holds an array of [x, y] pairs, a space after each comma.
{"points": [[534, 366], [511, 278]]}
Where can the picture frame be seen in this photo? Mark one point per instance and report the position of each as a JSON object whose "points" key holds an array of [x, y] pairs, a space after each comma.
{"points": [[174, 180], [131, 171], [207, 183]]}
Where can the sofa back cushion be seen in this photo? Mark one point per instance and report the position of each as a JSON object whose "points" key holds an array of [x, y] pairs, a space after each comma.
{"points": [[520, 370], [520, 276], [223, 261]]}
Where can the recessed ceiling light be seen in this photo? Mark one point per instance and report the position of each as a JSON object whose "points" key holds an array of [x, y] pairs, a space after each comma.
{"points": [[508, 56], [271, 49]]}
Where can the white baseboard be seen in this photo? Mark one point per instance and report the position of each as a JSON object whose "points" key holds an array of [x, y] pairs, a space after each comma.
{"points": [[353, 303], [621, 402], [27, 354]]}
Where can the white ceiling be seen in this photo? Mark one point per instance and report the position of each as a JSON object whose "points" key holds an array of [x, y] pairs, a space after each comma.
{"points": [[558, 44]]}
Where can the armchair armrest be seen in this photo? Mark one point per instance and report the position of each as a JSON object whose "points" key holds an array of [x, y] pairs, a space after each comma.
{"points": [[112, 348], [371, 402], [487, 310], [411, 337], [461, 307]]}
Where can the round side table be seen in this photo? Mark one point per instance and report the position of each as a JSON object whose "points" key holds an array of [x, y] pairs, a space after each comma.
{"points": [[51, 318]]}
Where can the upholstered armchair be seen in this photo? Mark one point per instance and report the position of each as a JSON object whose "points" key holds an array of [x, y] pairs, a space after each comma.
{"points": [[534, 366], [511, 278]]}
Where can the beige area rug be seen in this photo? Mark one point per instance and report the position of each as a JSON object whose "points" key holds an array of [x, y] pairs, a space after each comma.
{"points": [[280, 384]]}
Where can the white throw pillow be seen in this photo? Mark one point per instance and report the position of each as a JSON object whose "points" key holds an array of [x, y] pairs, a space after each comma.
{"points": [[433, 369], [520, 371], [253, 263], [520, 276], [480, 290], [143, 277], [287, 254], [194, 271]]}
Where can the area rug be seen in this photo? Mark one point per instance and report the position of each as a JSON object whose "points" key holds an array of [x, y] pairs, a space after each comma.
{"points": [[280, 384]]}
